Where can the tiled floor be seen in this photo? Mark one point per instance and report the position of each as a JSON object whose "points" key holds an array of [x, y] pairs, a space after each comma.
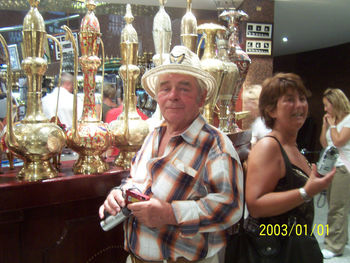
{"points": [[321, 221]]}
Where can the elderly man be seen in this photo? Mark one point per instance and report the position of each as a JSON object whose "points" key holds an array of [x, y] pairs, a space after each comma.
{"points": [[189, 169]]}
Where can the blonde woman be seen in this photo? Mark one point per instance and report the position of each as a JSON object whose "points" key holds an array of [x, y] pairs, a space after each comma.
{"points": [[336, 131]]}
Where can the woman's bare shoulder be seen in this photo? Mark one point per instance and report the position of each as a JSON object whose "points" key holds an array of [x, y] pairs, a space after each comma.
{"points": [[268, 147]]}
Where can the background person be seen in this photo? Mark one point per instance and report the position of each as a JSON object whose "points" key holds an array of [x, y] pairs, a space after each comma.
{"points": [[280, 182], [336, 132], [65, 104], [108, 100], [189, 168]]}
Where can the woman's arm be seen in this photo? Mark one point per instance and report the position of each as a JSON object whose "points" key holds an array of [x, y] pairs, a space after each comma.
{"points": [[340, 138]]}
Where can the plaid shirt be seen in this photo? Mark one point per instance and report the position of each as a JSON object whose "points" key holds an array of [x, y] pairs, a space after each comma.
{"points": [[201, 176]]}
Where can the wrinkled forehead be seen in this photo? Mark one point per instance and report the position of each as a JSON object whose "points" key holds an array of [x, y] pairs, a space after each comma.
{"points": [[175, 77]]}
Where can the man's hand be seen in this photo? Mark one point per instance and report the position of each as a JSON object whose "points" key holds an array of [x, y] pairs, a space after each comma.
{"points": [[113, 203], [153, 213]]}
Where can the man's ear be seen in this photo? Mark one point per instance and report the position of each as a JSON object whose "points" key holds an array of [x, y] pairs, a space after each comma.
{"points": [[202, 99]]}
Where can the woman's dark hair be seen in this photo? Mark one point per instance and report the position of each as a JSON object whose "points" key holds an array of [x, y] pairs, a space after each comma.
{"points": [[275, 87]]}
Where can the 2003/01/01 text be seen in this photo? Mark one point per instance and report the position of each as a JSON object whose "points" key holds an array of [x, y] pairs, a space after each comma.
{"points": [[295, 229]]}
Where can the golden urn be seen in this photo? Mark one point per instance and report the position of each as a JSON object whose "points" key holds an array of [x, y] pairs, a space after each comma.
{"points": [[189, 29], [162, 34], [211, 63], [228, 85], [129, 130], [89, 137], [238, 56], [34, 139]]}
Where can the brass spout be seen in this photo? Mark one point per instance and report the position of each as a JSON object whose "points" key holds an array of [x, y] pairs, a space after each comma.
{"points": [[9, 127], [69, 36]]}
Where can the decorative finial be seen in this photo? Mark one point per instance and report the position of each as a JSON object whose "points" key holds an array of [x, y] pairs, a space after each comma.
{"points": [[91, 5], [129, 33], [129, 18], [34, 3]]}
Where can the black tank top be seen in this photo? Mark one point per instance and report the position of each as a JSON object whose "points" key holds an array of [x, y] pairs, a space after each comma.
{"points": [[294, 178]]}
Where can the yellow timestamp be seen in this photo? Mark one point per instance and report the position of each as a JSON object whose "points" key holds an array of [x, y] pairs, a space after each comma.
{"points": [[295, 229]]}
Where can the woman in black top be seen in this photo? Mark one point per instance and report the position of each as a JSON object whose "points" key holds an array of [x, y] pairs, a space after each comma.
{"points": [[280, 182]]}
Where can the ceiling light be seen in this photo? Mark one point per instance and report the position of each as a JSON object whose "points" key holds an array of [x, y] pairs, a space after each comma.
{"points": [[285, 39]]}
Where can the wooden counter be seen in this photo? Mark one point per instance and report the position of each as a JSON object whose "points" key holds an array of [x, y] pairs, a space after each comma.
{"points": [[56, 220]]}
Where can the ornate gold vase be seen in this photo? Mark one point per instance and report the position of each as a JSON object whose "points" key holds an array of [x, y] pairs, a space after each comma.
{"points": [[34, 139], [231, 75], [211, 64], [189, 29], [237, 55], [161, 34], [89, 137], [129, 130]]}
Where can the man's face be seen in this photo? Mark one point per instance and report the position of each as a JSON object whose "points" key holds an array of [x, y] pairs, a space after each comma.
{"points": [[179, 99]]}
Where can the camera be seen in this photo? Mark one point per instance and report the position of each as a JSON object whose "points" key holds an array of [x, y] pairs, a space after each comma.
{"points": [[131, 196], [327, 160]]}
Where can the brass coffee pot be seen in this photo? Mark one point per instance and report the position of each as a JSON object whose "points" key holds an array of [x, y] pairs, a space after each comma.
{"points": [[238, 56], [89, 137], [211, 63], [189, 29], [162, 34], [34, 139], [231, 76], [129, 130]]}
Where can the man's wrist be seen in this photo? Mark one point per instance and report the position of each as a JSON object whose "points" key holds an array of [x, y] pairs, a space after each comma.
{"points": [[332, 126], [118, 188]]}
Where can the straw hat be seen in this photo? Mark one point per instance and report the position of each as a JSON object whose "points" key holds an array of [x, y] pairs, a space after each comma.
{"points": [[181, 61]]}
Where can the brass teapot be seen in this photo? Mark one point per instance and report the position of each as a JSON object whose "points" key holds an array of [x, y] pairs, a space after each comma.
{"points": [[129, 130], [89, 137], [34, 139]]}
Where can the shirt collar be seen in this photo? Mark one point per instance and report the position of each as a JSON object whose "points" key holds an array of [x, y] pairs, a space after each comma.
{"points": [[190, 135]]}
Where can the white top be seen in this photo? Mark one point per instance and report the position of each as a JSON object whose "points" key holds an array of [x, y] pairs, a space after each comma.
{"points": [[259, 130], [345, 123], [65, 106]]}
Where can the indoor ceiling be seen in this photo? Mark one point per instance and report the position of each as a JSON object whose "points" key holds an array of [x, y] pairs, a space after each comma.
{"points": [[308, 24]]}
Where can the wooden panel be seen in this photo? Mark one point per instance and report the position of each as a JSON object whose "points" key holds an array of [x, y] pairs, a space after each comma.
{"points": [[57, 220]]}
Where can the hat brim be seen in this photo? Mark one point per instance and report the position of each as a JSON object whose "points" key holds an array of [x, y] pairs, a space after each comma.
{"points": [[149, 79]]}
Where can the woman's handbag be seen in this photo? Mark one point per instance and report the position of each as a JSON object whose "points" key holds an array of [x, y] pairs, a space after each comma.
{"points": [[247, 245]]}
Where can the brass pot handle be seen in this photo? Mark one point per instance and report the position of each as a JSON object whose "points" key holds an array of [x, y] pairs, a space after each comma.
{"points": [[60, 73], [103, 74], [9, 126], [70, 37]]}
